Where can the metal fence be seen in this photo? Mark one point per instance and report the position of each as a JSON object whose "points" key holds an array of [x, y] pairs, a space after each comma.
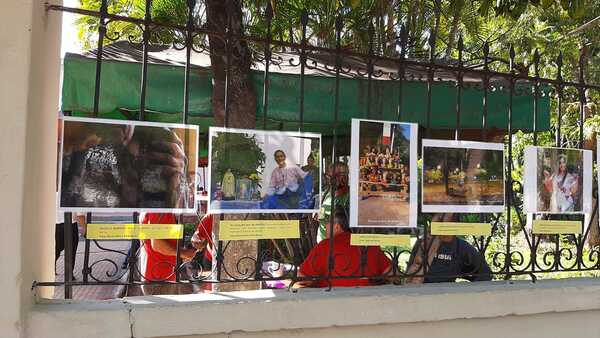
{"points": [[516, 250]]}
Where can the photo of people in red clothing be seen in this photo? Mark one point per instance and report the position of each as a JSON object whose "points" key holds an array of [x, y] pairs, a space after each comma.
{"points": [[383, 171]]}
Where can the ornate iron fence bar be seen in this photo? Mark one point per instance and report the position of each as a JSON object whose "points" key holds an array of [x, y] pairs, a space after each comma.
{"points": [[267, 52], [509, 184]]}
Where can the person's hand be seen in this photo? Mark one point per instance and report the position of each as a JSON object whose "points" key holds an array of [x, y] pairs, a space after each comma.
{"points": [[198, 243], [169, 155], [187, 254], [574, 189], [89, 141]]}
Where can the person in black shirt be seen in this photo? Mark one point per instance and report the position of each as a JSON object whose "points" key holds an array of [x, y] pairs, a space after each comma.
{"points": [[448, 258]]}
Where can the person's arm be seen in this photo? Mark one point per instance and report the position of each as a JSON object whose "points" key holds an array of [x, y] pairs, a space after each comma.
{"points": [[81, 220], [301, 173], [415, 259], [311, 266], [203, 234], [197, 242], [547, 181], [165, 248], [303, 283], [574, 186], [272, 188], [473, 264], [383, 266]]}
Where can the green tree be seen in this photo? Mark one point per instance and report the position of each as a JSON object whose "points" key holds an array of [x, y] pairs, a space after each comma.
{"points": [[239, 153]]}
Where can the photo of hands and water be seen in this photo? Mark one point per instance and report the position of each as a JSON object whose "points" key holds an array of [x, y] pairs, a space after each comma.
{"points": [[127, 166]]}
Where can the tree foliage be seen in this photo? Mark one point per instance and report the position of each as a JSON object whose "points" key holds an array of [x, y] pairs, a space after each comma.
{"points": [[239, 153]]}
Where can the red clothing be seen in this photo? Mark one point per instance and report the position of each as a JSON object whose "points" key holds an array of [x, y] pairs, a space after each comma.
{"points": [[156, 266], [347, 262], [204, 231]]}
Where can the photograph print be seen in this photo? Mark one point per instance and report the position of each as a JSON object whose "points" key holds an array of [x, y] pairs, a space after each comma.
{"points": [[557, 180], [116, 165], [462, 176], [254, 171], [383, 174]]}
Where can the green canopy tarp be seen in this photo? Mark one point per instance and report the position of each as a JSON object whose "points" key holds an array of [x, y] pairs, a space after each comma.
{"points": [[120, 90]]}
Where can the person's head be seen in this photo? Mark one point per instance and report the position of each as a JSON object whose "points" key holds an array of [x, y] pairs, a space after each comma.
{"points": [[562, 164], [445, 217], [340, 171], [279, 158], [310, 160], [340, 223]]}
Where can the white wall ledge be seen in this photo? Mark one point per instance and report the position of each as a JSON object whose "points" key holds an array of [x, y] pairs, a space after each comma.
{"points": [[272, 310]]}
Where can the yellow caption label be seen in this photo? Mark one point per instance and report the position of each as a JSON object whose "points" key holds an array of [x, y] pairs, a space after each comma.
{"points": [[379, 240], [461, 229], [258, 229], [134, 231], [549, 227]]}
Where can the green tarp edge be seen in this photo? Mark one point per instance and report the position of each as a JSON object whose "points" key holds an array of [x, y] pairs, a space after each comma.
{"points": [[120, 89]]}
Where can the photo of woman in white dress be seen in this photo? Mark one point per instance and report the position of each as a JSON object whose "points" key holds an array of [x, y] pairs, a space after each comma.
{"points": [[561, 186], [557, 180]]}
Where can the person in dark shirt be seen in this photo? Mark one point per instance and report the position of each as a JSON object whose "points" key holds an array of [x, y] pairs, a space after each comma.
{"points": [[449, 258]]}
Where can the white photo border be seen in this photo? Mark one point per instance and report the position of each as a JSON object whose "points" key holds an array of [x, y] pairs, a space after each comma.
{"points": [[461, 208], [354, 170], [213, 130]]}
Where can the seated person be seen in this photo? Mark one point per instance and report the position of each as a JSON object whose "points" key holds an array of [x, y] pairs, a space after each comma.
{"points": [[288, 186], [202, 241], [347, 261], [313, 170], [158, 259], [337, 172], [448, 258]]}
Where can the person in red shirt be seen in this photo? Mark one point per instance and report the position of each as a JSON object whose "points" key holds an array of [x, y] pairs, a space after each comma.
{"points": [[158, 259], [348, 260], [202, 240]]}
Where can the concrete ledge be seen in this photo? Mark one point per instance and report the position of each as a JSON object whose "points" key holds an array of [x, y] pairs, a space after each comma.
{"points": [[79, 319], [268, 310]]}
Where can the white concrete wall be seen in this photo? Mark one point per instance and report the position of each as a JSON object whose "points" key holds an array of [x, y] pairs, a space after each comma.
{"points": [[548, 325], [29, 88], [496, 309]]}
